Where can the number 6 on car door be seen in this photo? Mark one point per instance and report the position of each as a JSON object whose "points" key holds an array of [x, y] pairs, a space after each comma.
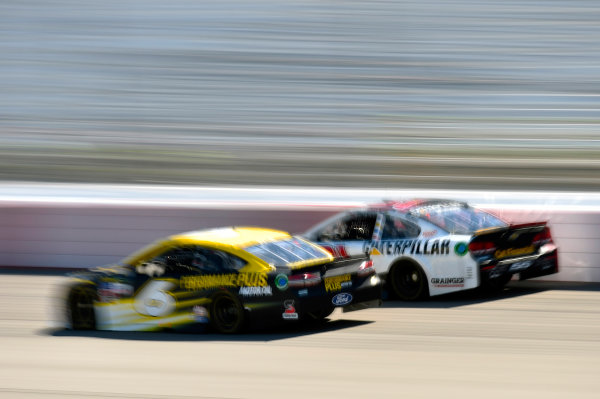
{"points": [[154, 299]]}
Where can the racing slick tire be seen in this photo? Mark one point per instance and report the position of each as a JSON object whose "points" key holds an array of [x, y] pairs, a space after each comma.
{"points": [[227, 314], [496, 285], [80, 307], [320, 314], [408, 281]]}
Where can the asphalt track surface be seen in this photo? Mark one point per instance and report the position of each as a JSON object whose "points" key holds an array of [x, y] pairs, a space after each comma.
{"points": [[397, 94], [534, 340]]}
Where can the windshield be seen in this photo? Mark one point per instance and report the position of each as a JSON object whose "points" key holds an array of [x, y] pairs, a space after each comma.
{"points": [[287, 252], [458, 219]]}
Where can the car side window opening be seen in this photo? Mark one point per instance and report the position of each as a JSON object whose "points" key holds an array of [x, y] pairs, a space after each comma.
{"points": [[463, 220], [397, 228], [192, 259], [358, 227]]}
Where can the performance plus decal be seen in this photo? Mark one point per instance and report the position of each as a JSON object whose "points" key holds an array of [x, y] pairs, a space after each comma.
{"points": [[336, 283], [224, 280]]}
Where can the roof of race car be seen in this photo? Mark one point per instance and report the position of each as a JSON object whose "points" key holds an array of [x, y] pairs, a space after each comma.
{"points": [[414, 204], [239, 237], [231, 239]]}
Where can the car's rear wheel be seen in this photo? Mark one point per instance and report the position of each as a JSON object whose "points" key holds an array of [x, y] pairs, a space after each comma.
{"points": [[320, 314], [227, 314], [408, 282], [496, 285], [80, 307]]}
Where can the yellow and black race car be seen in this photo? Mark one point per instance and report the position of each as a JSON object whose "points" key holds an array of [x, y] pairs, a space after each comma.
{"points": [[221, 278]]}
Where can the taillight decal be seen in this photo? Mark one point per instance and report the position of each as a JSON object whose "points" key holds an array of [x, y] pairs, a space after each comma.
{"points": [[366, 264], [328, 249], [304, 280], [543, 237], [479, 248], [366, 268], [338, 250]]}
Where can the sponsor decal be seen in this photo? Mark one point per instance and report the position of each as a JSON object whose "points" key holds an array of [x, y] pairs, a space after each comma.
{"points": [[461, 248], [412, 247], [342, 299], [155, 298], [111, 291], [338, 250], [498, 271], [378, 226], [256, 291], [223, 280], [514, 236], [469, 272], [281, 282], [519, 266], [200, 314], [374, 251], [438, 207], [150, 269], [303, 292], [290, 310], [505, 253], [429, 234], [336, 283], [445, 282]]}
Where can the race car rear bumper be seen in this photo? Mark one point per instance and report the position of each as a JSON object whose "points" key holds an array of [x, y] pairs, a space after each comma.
{"points": [[543, 266], [367, 295], [526, 267]]}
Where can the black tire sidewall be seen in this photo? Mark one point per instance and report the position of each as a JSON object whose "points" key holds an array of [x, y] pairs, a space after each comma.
{"points": [[84, 295], [218, 302], [395, 283], [322, 314]]}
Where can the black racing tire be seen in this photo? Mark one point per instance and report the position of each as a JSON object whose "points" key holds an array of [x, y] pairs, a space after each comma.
{"points": [[408, 282], [80, 307], [320, 314], [227, 314], [497, 284]]}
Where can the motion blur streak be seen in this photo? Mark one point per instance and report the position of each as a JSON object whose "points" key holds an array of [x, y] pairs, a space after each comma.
{"points": [[355, 93]]}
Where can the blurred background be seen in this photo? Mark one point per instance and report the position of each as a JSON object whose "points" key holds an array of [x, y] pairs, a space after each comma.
{"points": [[393, 94], [377, 94]]}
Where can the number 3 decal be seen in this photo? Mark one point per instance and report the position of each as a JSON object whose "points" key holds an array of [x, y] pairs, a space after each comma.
{"points": [[154, 299]]}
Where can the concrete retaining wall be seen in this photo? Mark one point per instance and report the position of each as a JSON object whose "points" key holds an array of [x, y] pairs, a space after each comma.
{"points": [[74, 231]]}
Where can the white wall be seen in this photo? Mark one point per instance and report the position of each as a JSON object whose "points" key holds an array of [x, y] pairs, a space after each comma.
{"points": [[71, 227]]}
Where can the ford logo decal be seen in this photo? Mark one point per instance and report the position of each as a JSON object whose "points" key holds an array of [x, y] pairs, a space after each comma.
{"points": [[342, 299]]}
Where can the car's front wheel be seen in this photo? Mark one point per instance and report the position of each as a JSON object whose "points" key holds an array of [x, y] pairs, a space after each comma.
{"points": [[80, 307], [407, 281], [226, 314]]}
